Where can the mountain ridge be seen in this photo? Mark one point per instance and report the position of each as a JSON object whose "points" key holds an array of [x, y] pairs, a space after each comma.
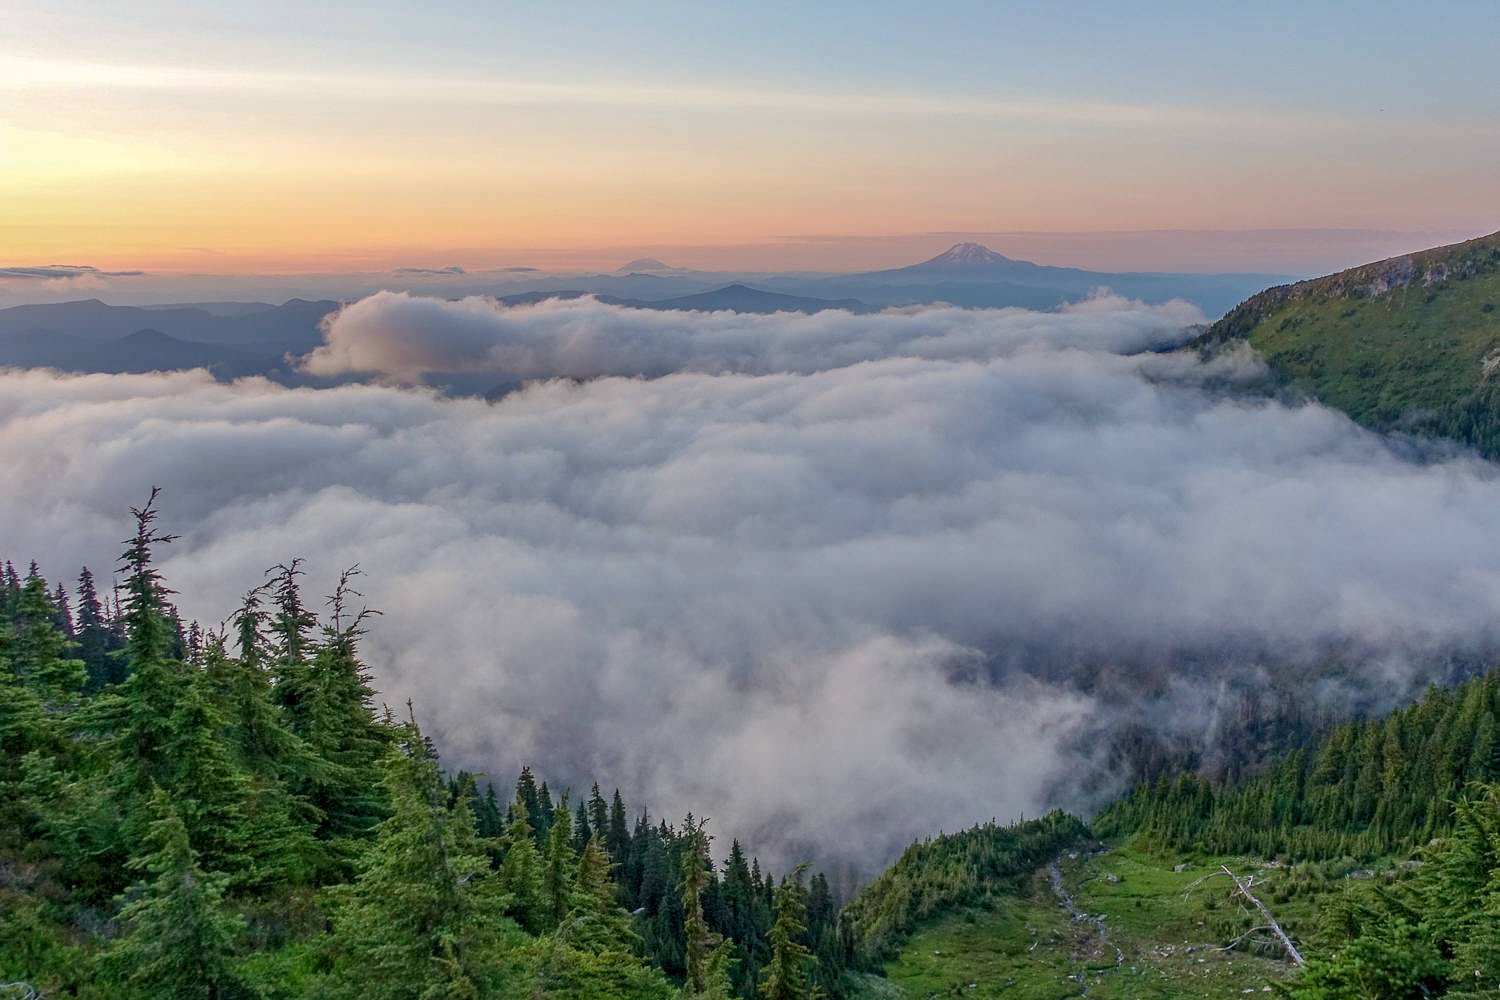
{"points": [[1410, 343]]}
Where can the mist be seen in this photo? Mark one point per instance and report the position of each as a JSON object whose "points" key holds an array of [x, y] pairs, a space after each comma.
{"points": [[409, 337], [834, 581]]}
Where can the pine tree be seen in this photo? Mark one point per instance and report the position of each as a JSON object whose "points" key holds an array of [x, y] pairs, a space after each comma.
{"points": [[789, 974], [97, 643], [530, 799], [597, 921], [617, 840], [598, 811], [40, 651], [559, 868], [62, 616], [179, 937], [582, 830], [521, 873], [330, 711], [140, 721], [422, 918], [706, 961]]}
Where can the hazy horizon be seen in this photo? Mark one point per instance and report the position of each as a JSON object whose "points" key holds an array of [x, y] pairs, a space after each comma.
{"points": [[1275, 254]]}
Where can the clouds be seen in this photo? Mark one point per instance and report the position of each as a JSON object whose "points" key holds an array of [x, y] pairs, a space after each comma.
{"points": [[452, 270], [834, 581], [52, 282], [409, 337], [64, 271]]}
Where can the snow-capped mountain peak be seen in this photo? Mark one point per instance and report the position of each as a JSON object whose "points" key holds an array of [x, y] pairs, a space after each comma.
{"points": [[966, 255]]}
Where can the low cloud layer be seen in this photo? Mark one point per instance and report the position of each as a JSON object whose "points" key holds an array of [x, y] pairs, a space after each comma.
{"points": [[409, 337], [835, 598]]}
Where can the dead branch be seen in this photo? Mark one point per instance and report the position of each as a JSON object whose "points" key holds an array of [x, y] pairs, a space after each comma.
{"points": [[1243, 886]]}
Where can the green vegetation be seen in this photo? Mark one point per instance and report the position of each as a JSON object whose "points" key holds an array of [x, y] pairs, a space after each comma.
{"points": [[1369, 789], [1410, 344], [936, 876], [1377, 849], [224, 815], [1162, 938], [1412, 800]]}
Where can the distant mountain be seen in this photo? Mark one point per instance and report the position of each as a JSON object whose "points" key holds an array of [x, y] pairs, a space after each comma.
{"points": [[231, 339], [737, 297], [222, 308], [974, 276], [975, 262], [142, 351], [91, 319], [743, 298], [1411, 343], [967, 274], [966, 256], [292, 326], [643, 265], [563, 295]]}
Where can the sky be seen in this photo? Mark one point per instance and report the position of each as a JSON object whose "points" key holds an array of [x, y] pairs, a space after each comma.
{"points": [[275, 137]]}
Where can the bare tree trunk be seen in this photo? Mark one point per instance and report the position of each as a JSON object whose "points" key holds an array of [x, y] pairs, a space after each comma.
{"points": [[1286, 942]]}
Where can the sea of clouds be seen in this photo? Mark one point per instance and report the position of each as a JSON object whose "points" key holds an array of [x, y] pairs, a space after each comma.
{"points": [[834, 581]]}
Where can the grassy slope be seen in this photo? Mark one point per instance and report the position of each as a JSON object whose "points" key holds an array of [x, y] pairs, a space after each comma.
{"points": [[1399, 344], [1171, 935]]}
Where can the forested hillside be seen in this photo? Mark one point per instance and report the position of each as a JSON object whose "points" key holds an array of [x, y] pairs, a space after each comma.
{"points": [[1406, 806], [188, 813], [935, 877], [1369, 788]]}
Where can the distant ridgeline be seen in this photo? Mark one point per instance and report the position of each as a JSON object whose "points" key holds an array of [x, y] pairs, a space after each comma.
{"points": [[1409, 344], [198, 815]]}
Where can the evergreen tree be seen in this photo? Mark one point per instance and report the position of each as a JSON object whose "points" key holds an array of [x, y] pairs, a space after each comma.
{"points": [[596, 921], [330, 711], [530, 799], [789, 974], [521, 873], [97, 643], [40, 651], [560, 867], [422, 919], [617, 840], [706, 961], [598, 812], [582, 830], [179, 937]]}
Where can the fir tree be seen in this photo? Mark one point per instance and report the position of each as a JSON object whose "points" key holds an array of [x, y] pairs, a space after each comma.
{"points": [[559, 868], [420, 920], [179, 937], [706, 961], [617, 840], [790, 972], [521, 873], [97, 645]]}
